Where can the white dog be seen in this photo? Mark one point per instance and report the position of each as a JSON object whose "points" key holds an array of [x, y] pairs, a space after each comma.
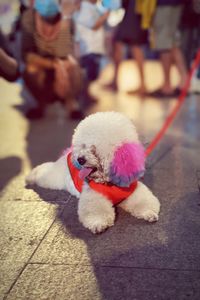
{"points": [[101, 169]]}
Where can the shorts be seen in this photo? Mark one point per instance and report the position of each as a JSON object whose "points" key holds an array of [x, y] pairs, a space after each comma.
{"points": [[129, 30], [166, 34]]}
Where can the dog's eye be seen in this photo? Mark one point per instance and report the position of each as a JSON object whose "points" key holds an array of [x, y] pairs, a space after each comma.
{"points": [[81, 160]]}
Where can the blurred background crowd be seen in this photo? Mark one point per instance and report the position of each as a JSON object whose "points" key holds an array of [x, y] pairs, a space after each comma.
{"points": [[56, 49]]}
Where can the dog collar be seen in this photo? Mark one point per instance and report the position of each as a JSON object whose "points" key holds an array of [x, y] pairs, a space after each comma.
{"points": [[113, 193]]}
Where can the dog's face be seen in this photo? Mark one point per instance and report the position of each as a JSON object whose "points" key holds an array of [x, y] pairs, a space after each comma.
{"points": [[87, 159], [106, 149]]}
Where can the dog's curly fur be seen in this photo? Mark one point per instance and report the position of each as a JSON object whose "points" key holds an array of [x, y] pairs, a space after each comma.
{"points": [[109, 144]]}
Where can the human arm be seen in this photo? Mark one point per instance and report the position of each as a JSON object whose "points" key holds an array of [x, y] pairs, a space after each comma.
{"points": [[27, 39], [101, 21]]}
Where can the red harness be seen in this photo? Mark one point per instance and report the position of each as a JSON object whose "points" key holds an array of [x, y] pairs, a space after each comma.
{"points": [[113, 193]]}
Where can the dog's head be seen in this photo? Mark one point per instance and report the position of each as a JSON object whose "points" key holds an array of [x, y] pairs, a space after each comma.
{"points": [[106, 149]]}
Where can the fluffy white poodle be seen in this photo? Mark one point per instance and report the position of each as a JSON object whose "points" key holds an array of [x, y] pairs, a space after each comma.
{"points": [[102, 169]]}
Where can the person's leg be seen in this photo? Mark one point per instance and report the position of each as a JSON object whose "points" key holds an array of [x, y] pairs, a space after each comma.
{"points": [[179, 61], [139, 57], [118, 54], [91, 65], [167, 41], [166, 62], [187, 41], [177, 54], [117, 58], [40, 86], [162, 42], [72, 98], [8, 66]]}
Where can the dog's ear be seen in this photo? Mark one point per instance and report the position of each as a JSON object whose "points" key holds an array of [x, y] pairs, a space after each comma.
{"points": [[128, 164]]}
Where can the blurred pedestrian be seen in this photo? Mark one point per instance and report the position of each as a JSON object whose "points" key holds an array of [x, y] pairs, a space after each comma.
{"points": [[131, 33], [23, 6], [52, 73], [190, 26], [9, 68], [166, 39], [90, 36]]}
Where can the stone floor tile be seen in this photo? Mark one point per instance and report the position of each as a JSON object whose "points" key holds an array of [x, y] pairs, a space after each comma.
{"points": [[171, 242], [64, 282], [46, 282], [9, 272], [22, 227]]}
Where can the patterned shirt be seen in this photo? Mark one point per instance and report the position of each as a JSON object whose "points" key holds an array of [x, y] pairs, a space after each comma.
{"points": [[59, 47]]}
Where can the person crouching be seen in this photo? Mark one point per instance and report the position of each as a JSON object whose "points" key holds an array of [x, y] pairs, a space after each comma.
{"points": [[51, 71]]}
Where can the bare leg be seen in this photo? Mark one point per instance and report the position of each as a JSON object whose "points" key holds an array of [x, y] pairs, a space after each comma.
{"points": [[140, 60], [117, 58], [166, 61], [75, 85], [8, 66], [180, 64]]}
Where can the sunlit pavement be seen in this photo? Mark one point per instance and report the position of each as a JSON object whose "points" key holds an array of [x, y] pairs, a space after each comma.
{"points": [[45, 253]]}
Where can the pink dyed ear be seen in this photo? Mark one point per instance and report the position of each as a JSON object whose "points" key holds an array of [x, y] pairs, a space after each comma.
{"points": [[128, 164]]}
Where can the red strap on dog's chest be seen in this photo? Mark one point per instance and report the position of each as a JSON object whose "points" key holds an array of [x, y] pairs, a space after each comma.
{"points": [[74, 172], [114, 193]]}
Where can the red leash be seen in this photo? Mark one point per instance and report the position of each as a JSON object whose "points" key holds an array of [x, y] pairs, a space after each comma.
{"points": [[174, 112]]}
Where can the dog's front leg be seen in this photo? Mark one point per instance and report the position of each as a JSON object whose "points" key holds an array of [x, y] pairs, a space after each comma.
{"points": [[95, 211], [142, 204], [52, 175]]}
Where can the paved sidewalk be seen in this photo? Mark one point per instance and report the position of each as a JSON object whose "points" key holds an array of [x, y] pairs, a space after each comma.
{"points": [[45, 253]]}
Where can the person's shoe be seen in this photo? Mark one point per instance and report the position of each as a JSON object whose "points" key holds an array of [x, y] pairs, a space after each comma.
{"points": [[160, 94], [177, 91], [76, 115], [35, 114], [111, 86], [142, 92]]}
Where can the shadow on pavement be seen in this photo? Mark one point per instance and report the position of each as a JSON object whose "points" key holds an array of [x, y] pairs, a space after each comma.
{"points": [[48, 138], [10, 167], [134, 258]]}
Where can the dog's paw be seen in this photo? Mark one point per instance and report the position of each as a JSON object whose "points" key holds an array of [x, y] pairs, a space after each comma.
{"points": [[36, 176], [97, 225], [32, 177], [150, 216]]}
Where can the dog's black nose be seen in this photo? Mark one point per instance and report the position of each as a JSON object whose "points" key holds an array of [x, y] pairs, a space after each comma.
{"points": [[81, 160]]}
